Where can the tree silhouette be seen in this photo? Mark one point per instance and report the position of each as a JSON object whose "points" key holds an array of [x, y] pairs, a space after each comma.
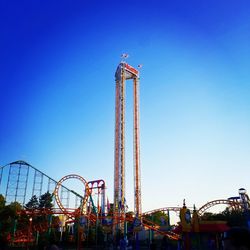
{"points": [[2, 202], [45, 201], [33, 203]]}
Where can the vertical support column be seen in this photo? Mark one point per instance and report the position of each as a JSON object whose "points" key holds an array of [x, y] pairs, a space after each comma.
{"points": [[25, 181], [137, 172], [77, 202], [125, 72], [17, 182], [103, 198], [1, 176], [8, 184], [37, 183], [51, 188], [117, 149], [64, 197], [119, 173], [122, 164]]}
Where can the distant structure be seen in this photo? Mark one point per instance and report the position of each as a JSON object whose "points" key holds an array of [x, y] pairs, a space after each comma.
{"points": [[19, 181], [126, 72]]}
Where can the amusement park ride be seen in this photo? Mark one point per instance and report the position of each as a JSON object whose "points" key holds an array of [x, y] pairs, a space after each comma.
{"points": [[86, 210], [16, 176], [125, 72]]}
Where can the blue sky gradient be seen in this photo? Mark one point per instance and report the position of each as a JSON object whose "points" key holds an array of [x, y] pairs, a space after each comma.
{"points": [[57, 93]]}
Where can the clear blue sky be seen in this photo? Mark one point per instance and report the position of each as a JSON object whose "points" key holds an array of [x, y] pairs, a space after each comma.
{"points": [[57, 65]]}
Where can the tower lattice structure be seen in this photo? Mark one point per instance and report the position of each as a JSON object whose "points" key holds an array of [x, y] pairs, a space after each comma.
{"points": [[126, 72]]}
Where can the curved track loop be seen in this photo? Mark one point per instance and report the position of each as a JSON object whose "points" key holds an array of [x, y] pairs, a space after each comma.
{"points": [[84, 198], [174, 209], [231, 203]]}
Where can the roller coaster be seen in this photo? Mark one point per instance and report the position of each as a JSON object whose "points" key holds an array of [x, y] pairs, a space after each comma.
{"points": [[19, 181], [16, 177]]}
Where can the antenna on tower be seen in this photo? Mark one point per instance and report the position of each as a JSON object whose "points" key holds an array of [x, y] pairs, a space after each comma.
{"points": [[124, 56]]}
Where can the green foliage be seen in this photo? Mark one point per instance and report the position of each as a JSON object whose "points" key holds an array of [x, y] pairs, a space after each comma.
{"points": [[233, 217], [2, 202], [33, 203], [157, 217], [45, 201], [13, 219], [15, 207], [213, 217], [7, 216]]}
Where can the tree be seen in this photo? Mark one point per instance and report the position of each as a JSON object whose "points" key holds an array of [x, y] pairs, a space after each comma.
{"points": [[2, 202], [33, 203], [233, 217], [159, 218], [213, 216], [45, 201], [15, 207], [7, 216]]}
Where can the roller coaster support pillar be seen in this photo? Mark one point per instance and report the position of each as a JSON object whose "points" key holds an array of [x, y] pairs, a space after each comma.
{"points": [[37, 237], [168, 219], [151, 232], [49, 228], [137, 245], [186, 240], [150, 236], [78, 232], [14, 229], [125, 230], [29, 232], [96, 230]]}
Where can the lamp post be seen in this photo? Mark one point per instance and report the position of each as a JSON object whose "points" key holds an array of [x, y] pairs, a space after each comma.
{"points": [[29, 232]]}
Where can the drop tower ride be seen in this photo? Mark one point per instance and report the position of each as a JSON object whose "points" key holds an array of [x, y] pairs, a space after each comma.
{"points": [[126, 72]]}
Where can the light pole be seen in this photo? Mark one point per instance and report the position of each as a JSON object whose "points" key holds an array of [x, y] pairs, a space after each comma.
{"points": [[29, 232]]}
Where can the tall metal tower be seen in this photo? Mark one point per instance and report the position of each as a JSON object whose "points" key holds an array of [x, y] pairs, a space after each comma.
{"points": [[126, 72]]}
